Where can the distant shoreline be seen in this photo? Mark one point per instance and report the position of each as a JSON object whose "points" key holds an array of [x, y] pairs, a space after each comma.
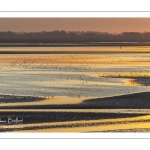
{"points": [[75, 44], [120, 45]]}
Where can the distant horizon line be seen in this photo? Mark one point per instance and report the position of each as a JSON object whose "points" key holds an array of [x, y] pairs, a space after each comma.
{"points": [[43, 31]]}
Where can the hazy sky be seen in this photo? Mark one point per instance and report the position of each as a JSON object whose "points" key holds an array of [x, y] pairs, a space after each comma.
{"points": [[113, 25]]}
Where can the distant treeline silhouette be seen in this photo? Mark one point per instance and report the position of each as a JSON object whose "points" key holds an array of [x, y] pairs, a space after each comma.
{"points": [[72, 37]]}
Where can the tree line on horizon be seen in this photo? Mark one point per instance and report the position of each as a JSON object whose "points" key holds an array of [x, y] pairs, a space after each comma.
{"points": [[72, 37]]}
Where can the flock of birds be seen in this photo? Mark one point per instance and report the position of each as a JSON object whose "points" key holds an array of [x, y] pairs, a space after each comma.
{"points": [[89, 69]]}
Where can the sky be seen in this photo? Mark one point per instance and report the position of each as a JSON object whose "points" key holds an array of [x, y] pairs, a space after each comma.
{"points": [[111, 25]]}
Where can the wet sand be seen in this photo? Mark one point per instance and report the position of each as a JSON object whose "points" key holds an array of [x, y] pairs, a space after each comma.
{"points": [[100, 124], [55, 120], [130, 101], [35, 121]]}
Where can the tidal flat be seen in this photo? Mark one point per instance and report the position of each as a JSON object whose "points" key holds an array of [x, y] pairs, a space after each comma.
{"points": [[102, 89]]}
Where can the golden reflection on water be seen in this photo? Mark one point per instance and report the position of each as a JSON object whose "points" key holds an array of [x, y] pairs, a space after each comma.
{"points": [[86, 48], [87, 61], [117, 111], [49, 100], [73, 59]]}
